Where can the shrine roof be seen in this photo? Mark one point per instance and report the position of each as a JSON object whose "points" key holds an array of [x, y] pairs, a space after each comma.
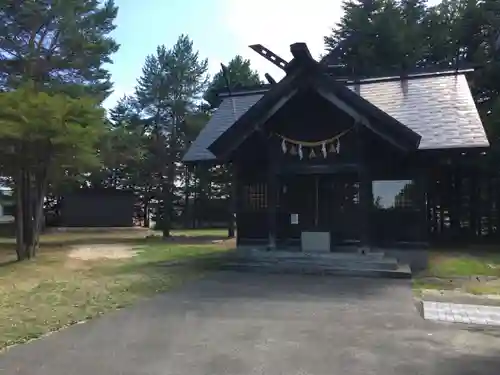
{"points": [[439, 107]]}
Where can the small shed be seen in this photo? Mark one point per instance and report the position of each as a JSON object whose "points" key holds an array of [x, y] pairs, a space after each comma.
{"points": [[98, 208]]}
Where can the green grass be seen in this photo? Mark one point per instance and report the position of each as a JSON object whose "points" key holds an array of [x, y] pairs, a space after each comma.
{"points": [[468, 271], [216, 232], [56, 289], [133, 236], [443, 265], [92, 235]]}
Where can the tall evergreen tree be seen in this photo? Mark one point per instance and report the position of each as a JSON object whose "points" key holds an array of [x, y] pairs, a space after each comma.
{"points": [[170, 88], [51, 57], [411, 33], [40, 134], [484, 29], [365, 39], [59, 44], [380, 36], [238, 74]]}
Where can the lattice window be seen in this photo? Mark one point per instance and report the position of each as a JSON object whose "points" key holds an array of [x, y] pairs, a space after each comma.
{"points": [[255, 197], [351, 193]]}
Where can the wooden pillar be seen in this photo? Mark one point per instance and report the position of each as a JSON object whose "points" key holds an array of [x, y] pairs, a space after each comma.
{"points": [[423, 185], [474, 222], [366, 204], [196, 195], [490, 200], [272, 196], [365, 192], [443, 192], [430, 187], [232, 200], [455, 209]]}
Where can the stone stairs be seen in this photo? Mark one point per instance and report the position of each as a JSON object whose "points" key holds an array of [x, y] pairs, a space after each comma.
{"points": [[371, 264]]}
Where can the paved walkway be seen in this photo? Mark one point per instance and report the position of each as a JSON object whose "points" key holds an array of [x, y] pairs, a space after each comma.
{"points": [[239, 324], [462, 313]]}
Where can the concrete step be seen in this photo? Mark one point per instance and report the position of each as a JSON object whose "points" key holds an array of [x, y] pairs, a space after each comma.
{"points": [[369, 260], [361, 263], [261, 254], [402, 271]]}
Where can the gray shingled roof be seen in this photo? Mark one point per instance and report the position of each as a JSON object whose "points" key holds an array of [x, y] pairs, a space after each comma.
{"points": [[220, 121], [439, 108]]}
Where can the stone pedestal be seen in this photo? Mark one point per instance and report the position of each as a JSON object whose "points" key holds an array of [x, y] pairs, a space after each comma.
{"points": [[315, 241]]}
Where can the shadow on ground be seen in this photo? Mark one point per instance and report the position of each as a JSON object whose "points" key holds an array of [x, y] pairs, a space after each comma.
{"points": [[283, 287], [469, 364]]}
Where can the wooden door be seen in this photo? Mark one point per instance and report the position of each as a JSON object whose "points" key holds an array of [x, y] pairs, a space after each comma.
{"points": [[299, 196], [339, 207], [325, 203]]}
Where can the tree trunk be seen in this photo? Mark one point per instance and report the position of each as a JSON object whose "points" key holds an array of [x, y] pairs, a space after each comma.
{"points": [[27, 213], [168, 187], [194, 212], [146, 214], [167, 199], [19, 218], [41, 191]]}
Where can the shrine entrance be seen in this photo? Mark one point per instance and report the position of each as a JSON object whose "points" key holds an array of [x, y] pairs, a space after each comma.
{"points": [[322, 203]]}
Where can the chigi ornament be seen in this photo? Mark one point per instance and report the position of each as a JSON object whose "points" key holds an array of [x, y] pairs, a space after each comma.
{"points": [[312, 149]]}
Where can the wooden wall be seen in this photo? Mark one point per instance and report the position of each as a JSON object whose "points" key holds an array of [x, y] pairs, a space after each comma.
{"points": [[457, 200], [97, 208], [463, 206]]}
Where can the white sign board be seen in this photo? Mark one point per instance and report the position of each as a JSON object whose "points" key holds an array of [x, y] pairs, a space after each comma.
{"points": [[294, 218]]}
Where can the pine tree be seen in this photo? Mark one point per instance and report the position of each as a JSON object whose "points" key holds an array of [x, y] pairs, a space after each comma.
{"points": [[59, 44], [366, 40], [412, 14], [51, 60], [172, 83], [486, 84], [140, 168], [239, 74], [40, 134]]}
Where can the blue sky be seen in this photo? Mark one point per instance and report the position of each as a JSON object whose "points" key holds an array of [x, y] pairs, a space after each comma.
{"points": [[220, 29]]}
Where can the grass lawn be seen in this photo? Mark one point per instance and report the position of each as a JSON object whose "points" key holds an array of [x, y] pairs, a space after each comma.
{"points": [[91, 235], [469, 271], [70, 280], [200, 232]]}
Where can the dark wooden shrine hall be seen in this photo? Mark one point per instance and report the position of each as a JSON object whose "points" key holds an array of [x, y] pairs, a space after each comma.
{"points": [[324, 162]]}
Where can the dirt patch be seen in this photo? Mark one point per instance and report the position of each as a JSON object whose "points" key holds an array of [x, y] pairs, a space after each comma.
{"points": [[101, 251]]}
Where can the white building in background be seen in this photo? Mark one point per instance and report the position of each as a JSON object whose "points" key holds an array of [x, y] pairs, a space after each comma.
{"points": [[5, 193], [5, 218]]}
